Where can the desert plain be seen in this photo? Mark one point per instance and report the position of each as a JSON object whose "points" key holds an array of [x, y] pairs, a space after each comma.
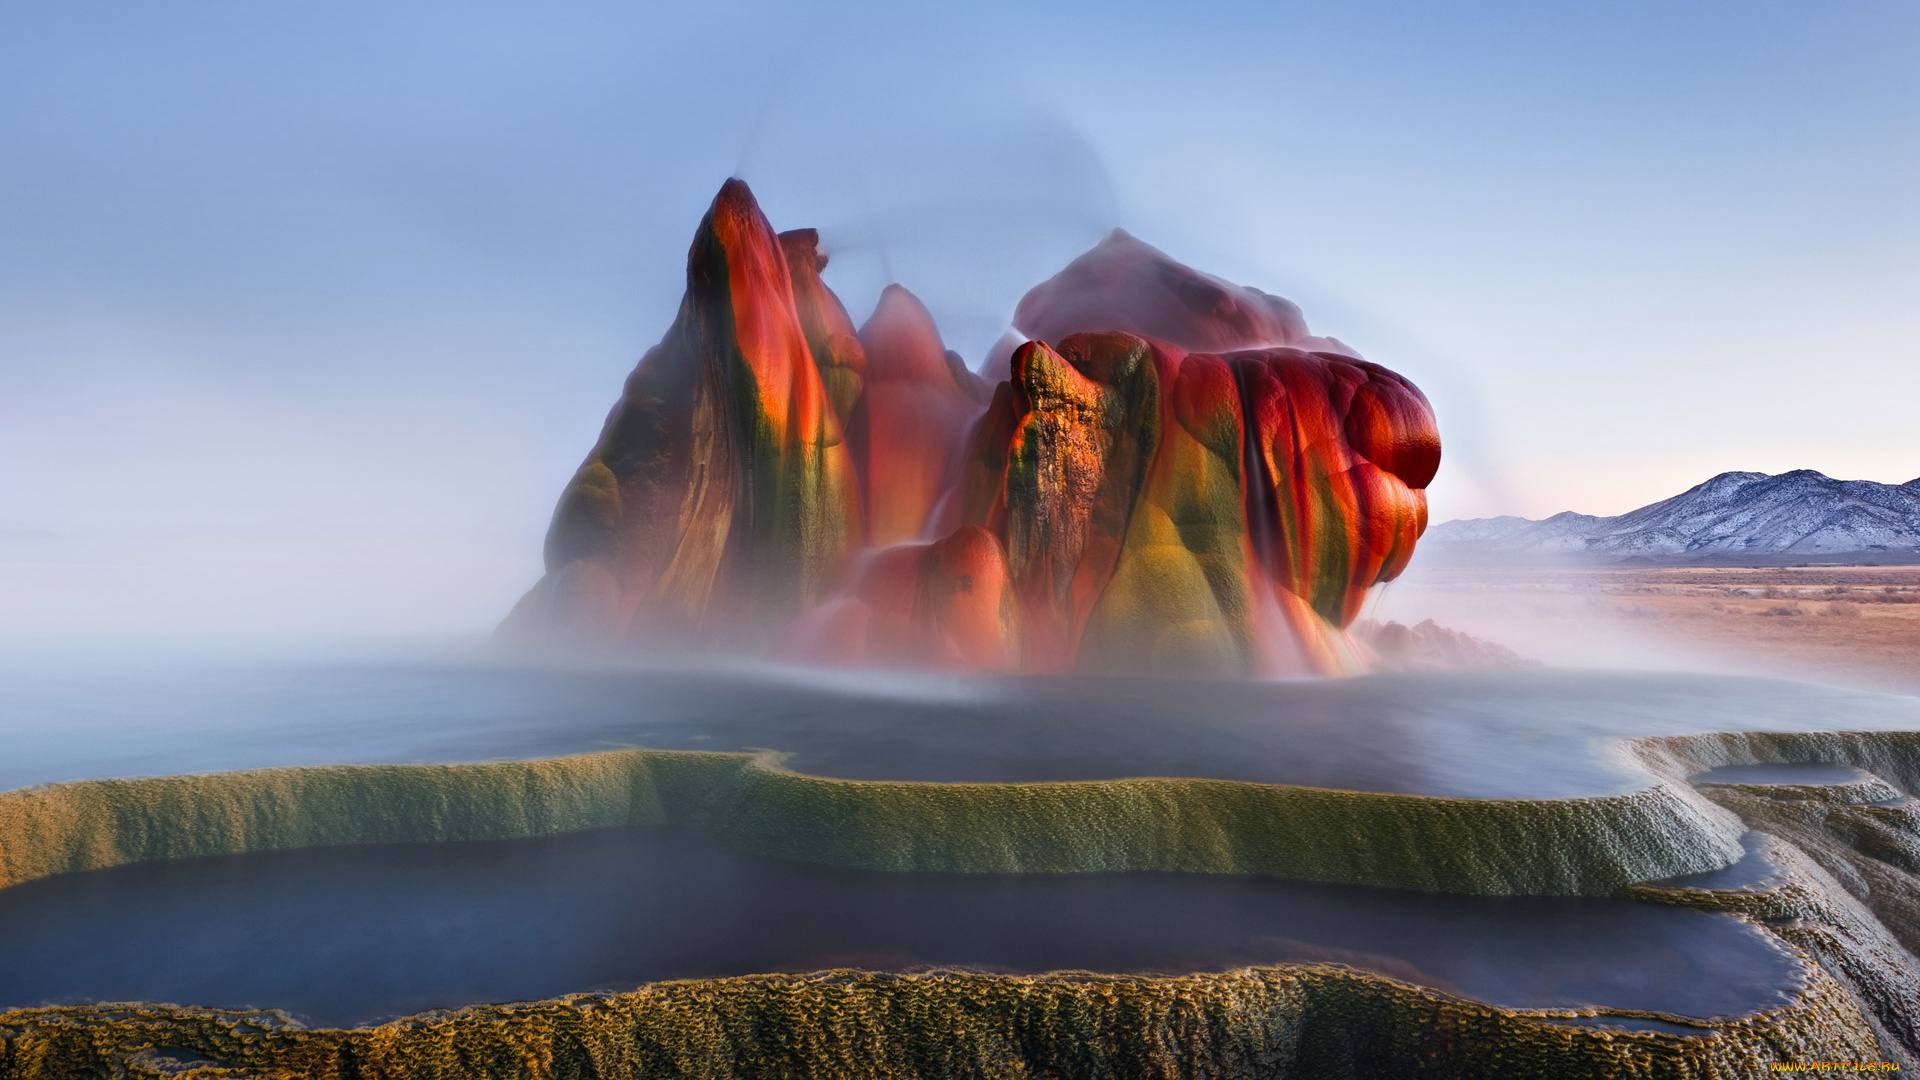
{"points": [[1855, 625]]}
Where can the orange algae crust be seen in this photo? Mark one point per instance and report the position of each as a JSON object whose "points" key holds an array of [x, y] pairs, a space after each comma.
{"points": [[830, 333], [908, 425], [1220, 511], [1294, 1021], [721, 491], [944, 605], [1198, 513]]}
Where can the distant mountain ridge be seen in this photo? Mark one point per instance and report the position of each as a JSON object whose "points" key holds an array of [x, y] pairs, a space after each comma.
{"points": [[1735, 514]]}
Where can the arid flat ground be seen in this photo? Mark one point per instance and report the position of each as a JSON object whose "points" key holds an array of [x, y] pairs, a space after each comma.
{"points": [[1858, 625]]}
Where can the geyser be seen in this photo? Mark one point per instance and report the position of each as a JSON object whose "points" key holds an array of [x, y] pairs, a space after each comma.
{"points": [[1174, 475]]}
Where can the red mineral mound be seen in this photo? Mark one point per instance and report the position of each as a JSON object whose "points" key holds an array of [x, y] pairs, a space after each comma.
{"points": [[1124, 284], [720, 494], [945, 605], [1173, 476], [911, 419], [836, 347]]}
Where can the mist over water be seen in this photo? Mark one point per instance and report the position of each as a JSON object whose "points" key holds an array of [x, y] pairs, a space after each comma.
{"points": [[1598, 614], [352, 935], [1536, 734]]}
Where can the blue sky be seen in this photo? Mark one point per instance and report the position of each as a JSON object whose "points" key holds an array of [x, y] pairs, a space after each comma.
{"points": [[306, 312]]}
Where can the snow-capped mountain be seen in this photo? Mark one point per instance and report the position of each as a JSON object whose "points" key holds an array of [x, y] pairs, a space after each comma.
{"points": [[1736, 513]]}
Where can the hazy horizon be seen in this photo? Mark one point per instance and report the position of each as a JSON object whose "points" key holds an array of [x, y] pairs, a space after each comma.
{"points": [[306, 315]]}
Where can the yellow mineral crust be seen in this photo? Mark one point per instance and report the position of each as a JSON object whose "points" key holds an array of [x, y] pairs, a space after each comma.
{"points": [[1279, 1022]]}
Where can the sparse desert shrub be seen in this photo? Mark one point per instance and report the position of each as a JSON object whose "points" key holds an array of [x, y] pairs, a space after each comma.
{"points": [[1782, 609], [1842, 607]]}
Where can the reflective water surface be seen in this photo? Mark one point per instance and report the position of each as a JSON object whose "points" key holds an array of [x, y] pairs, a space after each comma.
{"points": [[348, 935], [1526, 734]]}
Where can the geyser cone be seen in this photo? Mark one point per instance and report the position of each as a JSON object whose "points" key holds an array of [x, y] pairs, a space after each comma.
{"points": [[1185, 481], [1125, 284], [1087, 426], [720, 496], [1180, 595], [836, 347], [946, 605], [911, 419], [1160, 511], [1338, 453]]}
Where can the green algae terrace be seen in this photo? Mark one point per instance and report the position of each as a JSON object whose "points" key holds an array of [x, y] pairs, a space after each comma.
{"points": [[1517, 785], [1520, 781]]}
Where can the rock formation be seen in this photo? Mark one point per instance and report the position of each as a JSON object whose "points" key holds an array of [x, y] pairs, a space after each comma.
{"points": [[1173, 475], [1124, 284], [906, 428], [720, 497]]}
